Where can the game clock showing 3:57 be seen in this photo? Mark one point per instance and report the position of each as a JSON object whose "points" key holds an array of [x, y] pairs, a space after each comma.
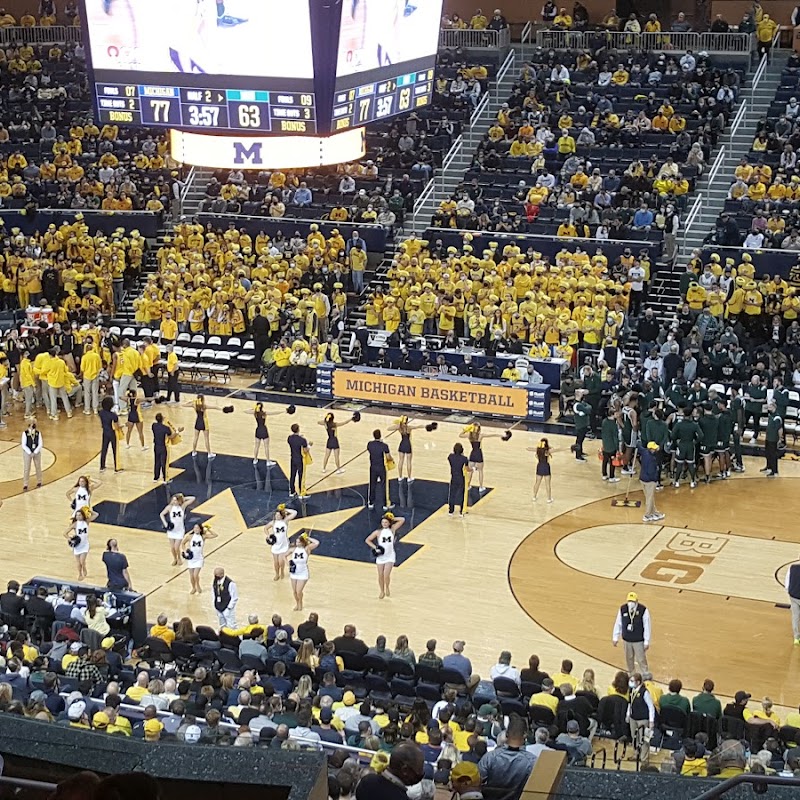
{"points": [[210, 109]]}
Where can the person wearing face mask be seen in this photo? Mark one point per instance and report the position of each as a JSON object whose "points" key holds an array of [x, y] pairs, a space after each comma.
{"points": [[641, 717], [632, 625], [31, 444]]}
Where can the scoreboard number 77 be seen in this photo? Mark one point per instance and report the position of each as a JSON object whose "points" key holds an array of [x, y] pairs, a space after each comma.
{"points": [[160, 109]]}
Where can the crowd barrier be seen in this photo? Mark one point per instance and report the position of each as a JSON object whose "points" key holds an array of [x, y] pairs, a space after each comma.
{"points": [[785, 263], [375, 236], [146, 222], [548, 246]]}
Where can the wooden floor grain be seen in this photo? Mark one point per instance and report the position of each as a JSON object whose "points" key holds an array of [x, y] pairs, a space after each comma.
{"points": [[513, 574]]}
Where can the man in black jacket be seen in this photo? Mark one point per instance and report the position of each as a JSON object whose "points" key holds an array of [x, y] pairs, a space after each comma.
{"points": [[38, 608], [259, 327], [647, 330], [310, 629], [12, 604]]}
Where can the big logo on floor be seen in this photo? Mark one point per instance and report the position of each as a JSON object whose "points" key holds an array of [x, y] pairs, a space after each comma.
{"points": [[711, 574], [338, 517]]}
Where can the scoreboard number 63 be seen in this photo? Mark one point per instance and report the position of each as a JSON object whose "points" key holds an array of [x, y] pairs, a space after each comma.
{"points": [[249, 116]]}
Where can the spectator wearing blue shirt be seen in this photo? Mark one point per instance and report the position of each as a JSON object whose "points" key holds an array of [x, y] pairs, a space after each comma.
{"points": [[303, 197], [354, 241], [458, 661], [643, 218]]}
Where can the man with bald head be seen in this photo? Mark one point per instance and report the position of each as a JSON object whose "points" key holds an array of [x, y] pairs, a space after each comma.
{"points": [[349, 642], [406, 768]]}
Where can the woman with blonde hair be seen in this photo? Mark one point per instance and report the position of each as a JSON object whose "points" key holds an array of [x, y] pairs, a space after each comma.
{"points": [[587, 683], [77, 535], [476, 436], [404, 451], [307, 654], [277, 533], [304, 688], [766, 712], [175, 522], [403, 651]]}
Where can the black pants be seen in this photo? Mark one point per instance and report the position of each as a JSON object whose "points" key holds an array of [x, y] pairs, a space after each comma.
{"points": [[109, 440], [296, 476], [579, 438], [172, 386], [147, 386], [756, 417], [261, 343], [456, 495], [160, 466], [771, 453], [377, 476], [608, 464], [276, 376]]}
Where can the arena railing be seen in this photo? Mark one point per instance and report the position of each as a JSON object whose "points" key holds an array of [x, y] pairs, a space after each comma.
{"points": [[420, 216], [502, 72], [526, 37], [759, 783], [666, 41], [468, 39], [187, 187], [40, 34]]}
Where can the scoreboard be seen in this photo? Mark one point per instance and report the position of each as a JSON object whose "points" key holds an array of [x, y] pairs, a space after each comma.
{"points": [[377, 100], [251, 110]]}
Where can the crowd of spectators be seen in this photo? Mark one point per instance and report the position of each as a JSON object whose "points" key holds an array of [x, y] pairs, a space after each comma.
{"points": [[269, 685], [402, 156], [566, 127], [762, 207], [53, 155]]}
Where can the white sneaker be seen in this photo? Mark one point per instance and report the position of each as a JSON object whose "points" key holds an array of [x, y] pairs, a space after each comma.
{"points": [[549, 499], [339, 472], [693, 485], [270, 463], [255, 461], [659, 515], [212, 455], [648, 518], [613, 480]]}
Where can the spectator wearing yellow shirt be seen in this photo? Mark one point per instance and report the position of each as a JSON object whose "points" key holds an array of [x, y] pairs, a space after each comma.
{"points": [[756, 191], [566, 144], [163, 631], [479, 21], [546, 697], [652, 25], [565, 676], [621, 76], [562, 19], [168, 328], [677, 124], [91, 364], [57, 371]]}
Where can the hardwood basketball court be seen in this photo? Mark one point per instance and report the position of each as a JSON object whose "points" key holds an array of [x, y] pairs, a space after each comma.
{"points": [[513, 574]]}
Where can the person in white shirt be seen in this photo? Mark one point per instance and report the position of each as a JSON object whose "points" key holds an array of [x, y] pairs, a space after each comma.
{"points": [[754, 240], [503, 668], [559, 73], [31, 443], [546, 179]]}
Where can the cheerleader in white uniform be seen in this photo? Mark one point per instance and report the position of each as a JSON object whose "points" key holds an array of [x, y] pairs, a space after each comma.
{"points": [[277, 533], [80, 494], [77, 534], [192, 552], [298, 567], [173, 518], [382, 542]]}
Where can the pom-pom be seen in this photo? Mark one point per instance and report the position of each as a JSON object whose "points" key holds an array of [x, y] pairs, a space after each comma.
{"points": [[431, 426], [227, 409], [291, 409], [356, 416], [506, 436]]}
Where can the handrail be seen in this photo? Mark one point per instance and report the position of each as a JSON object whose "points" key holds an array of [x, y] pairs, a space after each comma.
{"points": [[715, 168], [475, 119], [187, 187], [666, 41], [502, 72], [40, 34], [430, 188], [527, 32], [738, 119], [25, 783], [291, 220], [750, 778], [691, 217]]}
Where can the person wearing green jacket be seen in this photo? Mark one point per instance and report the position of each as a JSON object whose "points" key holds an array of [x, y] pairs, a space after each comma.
{"points": [[610, 435], [686, 435], [582, 412]]}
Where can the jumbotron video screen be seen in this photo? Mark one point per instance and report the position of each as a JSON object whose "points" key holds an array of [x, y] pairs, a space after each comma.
{"points": [[248, 66], [243, 65], [386, 59]]}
